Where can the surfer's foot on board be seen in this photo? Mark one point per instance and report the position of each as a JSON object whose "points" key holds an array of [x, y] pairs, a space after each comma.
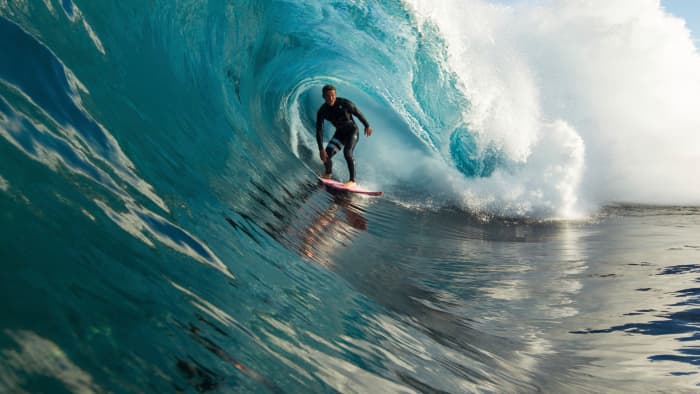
{"points": [[350, 184], [327, 175]]}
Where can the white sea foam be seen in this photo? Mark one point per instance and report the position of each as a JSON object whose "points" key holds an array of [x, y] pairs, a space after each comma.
{"points": [[592, 101]]}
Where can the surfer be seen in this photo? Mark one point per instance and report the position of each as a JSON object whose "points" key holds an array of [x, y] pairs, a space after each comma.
{"points": [[339, 112]]}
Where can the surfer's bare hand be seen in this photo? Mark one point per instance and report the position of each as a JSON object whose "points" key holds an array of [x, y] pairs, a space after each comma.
{"points": [[368, 131]]}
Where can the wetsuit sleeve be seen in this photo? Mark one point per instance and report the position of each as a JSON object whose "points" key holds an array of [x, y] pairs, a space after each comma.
{"points": [[358, 114], [319, 128]]}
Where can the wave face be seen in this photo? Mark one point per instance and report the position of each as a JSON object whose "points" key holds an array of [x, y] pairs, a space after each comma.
{"points": [[160, 207]]}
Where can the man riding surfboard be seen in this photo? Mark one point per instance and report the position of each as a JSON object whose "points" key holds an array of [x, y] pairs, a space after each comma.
{"points": [[339, 111]]}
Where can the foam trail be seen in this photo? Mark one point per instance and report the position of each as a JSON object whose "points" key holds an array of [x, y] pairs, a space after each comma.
{"points": [[591, 102]]}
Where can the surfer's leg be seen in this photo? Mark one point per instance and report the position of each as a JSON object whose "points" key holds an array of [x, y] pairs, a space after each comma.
{"points": [[348, 153], [331, 149]]}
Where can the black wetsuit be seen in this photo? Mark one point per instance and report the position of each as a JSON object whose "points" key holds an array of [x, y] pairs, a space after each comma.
{"points": [[346, 134]]}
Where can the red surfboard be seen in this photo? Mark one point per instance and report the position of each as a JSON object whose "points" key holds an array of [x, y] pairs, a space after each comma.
{"points": [[333, 184]]}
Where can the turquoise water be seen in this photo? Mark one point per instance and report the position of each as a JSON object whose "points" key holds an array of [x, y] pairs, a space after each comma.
{"points": [[163, 230]]}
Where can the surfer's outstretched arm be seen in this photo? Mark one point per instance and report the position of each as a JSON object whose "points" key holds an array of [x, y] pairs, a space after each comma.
{"points": [[356, 111]]}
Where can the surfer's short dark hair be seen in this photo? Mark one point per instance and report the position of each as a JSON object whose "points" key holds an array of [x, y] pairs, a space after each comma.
{"points": [[328, 88]]}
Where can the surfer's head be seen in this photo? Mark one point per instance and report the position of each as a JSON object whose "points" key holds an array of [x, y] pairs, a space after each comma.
{"points": [[329, 94]]}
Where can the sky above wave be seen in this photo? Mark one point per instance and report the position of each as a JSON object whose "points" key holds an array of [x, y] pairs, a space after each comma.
{"points": [[688, 10]]}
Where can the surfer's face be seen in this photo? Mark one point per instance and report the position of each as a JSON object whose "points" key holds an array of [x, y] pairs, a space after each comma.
{"points": [[329, 96]]}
